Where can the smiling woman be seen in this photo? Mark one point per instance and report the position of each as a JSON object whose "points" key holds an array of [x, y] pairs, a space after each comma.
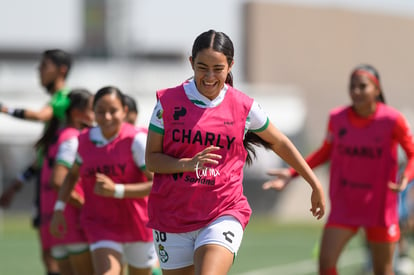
{"points": [[197, 203], [115, 183], [211, 69]]}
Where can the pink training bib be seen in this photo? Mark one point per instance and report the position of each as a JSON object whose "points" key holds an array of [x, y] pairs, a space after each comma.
{"points": [[120, 220], [185, 202], [364, 160]]}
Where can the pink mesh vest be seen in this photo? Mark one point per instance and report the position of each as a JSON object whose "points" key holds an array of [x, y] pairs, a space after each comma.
{"points": [[120, 220], [48, 197], [364, 160], [185, 202]]}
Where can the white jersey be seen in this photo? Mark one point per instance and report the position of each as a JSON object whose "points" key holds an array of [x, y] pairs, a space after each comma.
{"points": [[66, 153]]}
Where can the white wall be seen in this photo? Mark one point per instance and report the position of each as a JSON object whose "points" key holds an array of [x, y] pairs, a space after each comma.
{"points": [[35, 25]]}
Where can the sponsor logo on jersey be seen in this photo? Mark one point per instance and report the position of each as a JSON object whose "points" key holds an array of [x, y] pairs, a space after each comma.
{"points": [[109, 170], [206, 139], [179, 112], [372, 152]]}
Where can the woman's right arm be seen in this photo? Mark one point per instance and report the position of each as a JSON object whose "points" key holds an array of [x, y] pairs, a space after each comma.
{"points": [[44, 114], [158, 162], [69, 183], [58, 226]]}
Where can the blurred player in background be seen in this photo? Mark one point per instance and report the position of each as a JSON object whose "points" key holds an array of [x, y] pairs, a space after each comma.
{"points": [[132, 113], [60, 145], [132, 118], [54, 67], [362, 146], [111, 164]]}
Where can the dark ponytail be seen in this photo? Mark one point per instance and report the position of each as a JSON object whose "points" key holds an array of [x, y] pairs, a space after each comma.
{"points": [[250, 141], [48, 135], [79, 99]]}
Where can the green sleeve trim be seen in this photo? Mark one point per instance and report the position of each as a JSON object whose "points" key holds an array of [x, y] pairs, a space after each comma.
{"points": [[61, 258], [80, 251], [156, 129], [261, 129], [143, 167], [64, 163], [198, 102]]}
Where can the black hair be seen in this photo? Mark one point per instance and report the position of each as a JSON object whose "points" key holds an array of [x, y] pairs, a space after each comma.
{"points": [[131, 103], [107, 90], [370, 69], [79, 100], [250, 141], [219, 42], [59, 58]]}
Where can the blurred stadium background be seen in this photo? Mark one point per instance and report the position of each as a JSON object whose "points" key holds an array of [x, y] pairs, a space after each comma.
{"points": [[293, 56]]}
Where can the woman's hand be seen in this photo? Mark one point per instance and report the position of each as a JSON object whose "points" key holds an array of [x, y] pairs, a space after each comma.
{"points": [[398, 187], [58, 224], [104, 186], [76, 200], [205, 157], [318, 202], [282, 178]]}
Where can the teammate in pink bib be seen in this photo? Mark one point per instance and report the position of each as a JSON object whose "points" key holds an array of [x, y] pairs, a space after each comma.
{"points": [[72, 251], [362, 143], [54, 68], [111, 164], [48, 195], [198, 142]]}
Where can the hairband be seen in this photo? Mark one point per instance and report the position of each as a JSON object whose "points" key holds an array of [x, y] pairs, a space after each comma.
{"points": [[368, 74]]}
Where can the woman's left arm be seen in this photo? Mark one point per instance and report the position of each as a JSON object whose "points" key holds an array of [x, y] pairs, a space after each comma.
{"points": [[404, 137], [284, 148]]}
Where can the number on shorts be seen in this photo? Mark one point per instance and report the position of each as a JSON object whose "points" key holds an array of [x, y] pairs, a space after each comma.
{"points": [[160, 236]]}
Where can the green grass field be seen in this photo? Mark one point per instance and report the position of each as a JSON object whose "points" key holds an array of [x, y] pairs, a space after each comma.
{"points": [[272, 248], [267, 248], [19, 246]]}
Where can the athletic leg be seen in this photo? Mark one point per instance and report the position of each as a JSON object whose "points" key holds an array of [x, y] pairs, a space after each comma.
{"points": [[139, 271], [216, 246], [188, 270], [50, 263], [65, 267], [383, 241], [333, 242], [382, 257], [82, 263], [107, 261], [212, 259]]}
